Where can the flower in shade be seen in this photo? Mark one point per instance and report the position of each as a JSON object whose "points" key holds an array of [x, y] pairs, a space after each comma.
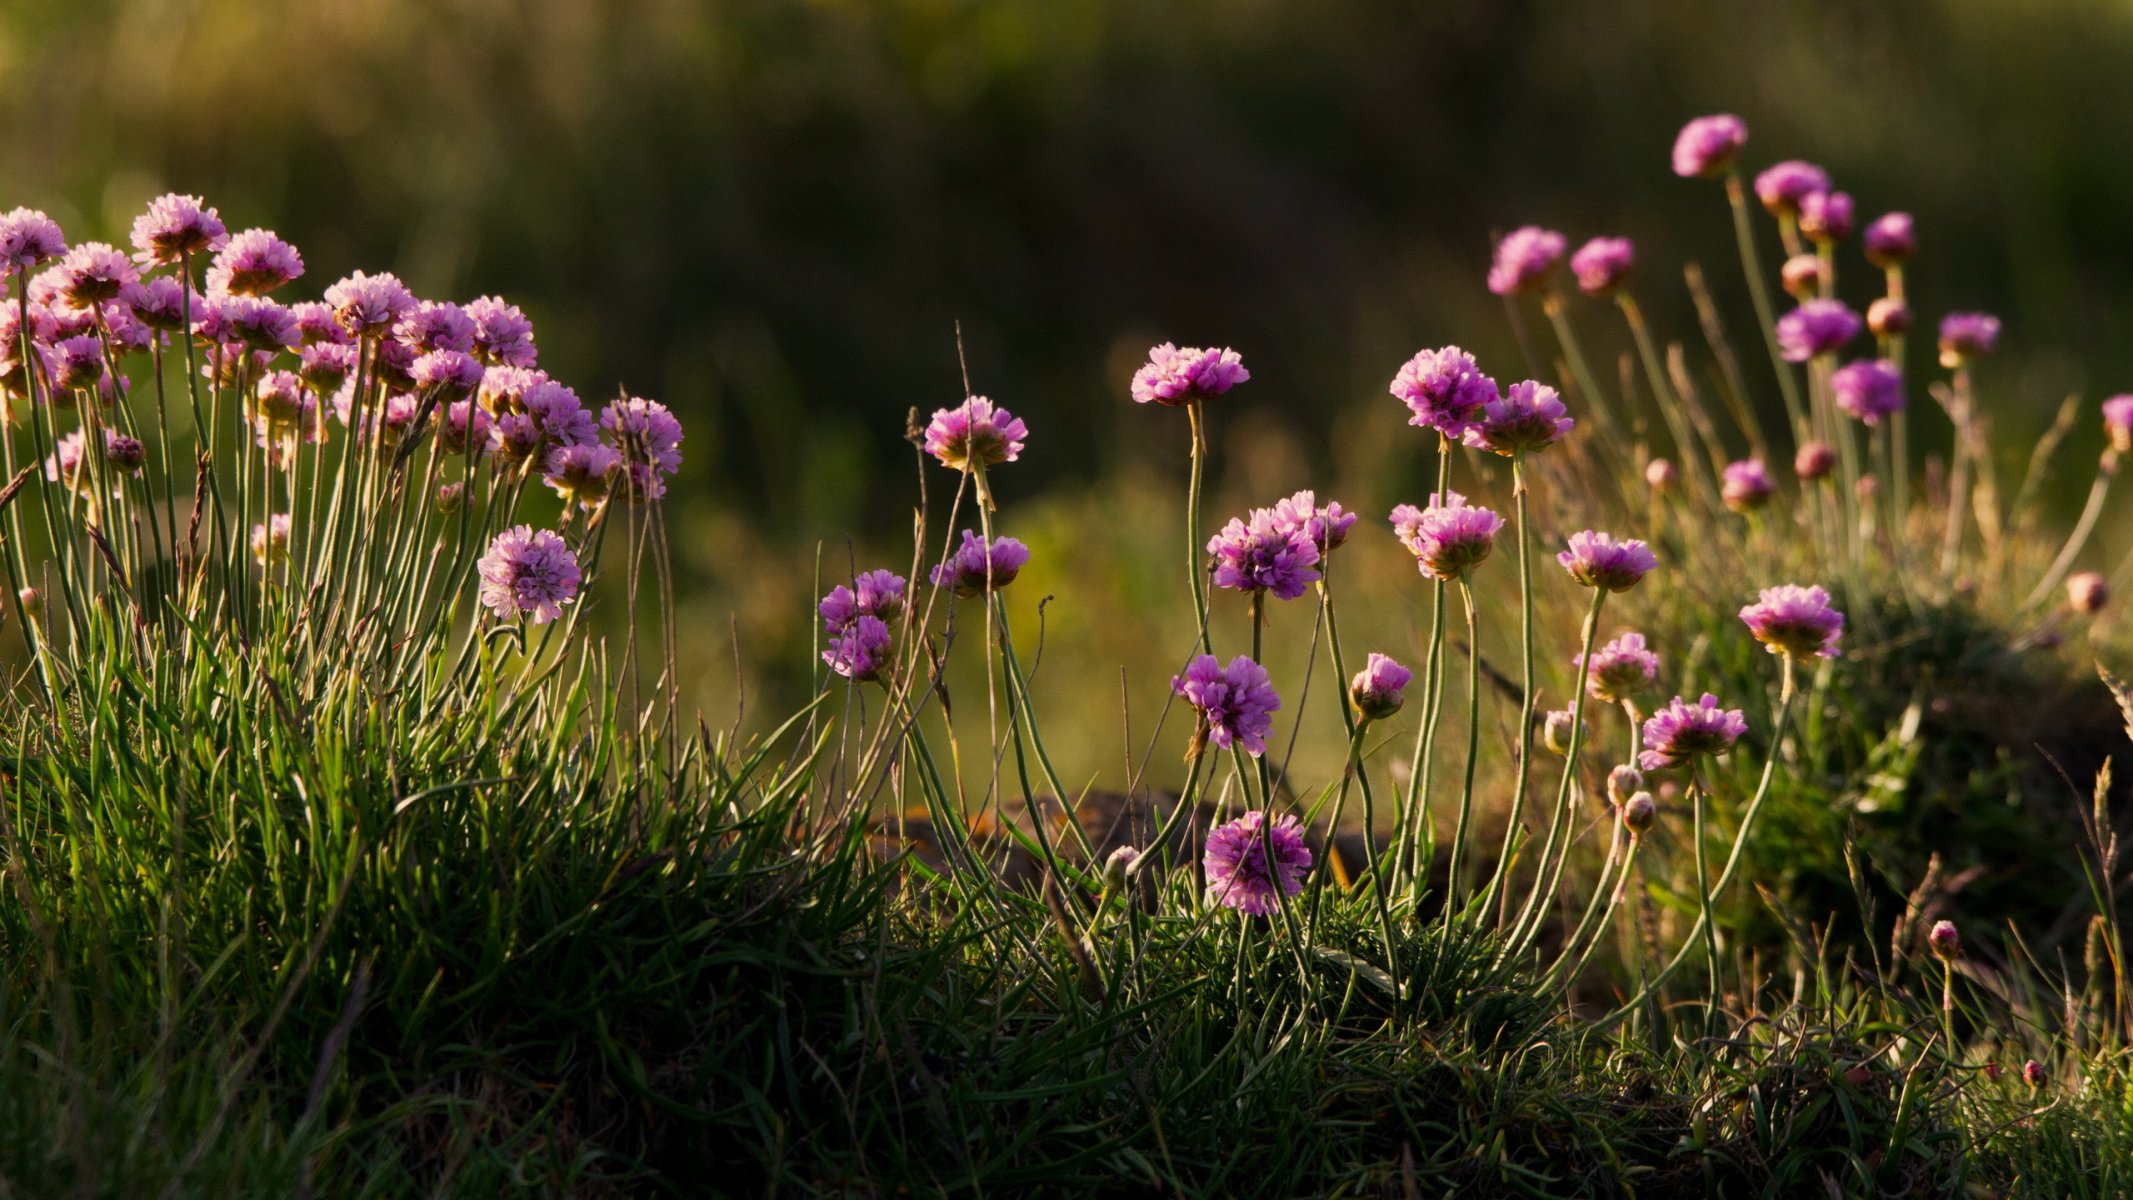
{"points": [[859, 651], [1236, 703], [1826, 216], [1602, 265], [94, 272], [324, 365], [580, 474], [253, 263], [1448, 538], [1945, 941], [176, 227], [1597, 560], [1813, 460], [462, 427], [1815, 328], [258, 322], [283, 414], [528, 572], [2087, 591], [79, 362], [1782, 187], [1707, 146], [1444, 390], [1890, 240], [158, 303], [1264, 555], [1529, 416], [2033, 1073], [1326, 528], [1681, 730], [1802, 276], [1966, 336], [1869, 389], [648, 437], [974, 568], [1377, 690], [1795, 620], [1237, 862], [367, 305], [1178, 377], [560, 416], [1524, 259], [270, 540], [28, 238], [974, 435], [2118, 423], [1620, 670], [878, 593], [1887, 315], [503, 336]]}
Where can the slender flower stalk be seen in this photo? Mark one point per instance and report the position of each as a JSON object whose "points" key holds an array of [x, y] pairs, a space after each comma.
{"points": [[1759, 293], [2099, 491], [1526, 691]]}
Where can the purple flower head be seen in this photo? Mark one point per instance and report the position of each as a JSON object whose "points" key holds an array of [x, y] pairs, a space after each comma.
{"points": [[253, 263], [504, 389], [1944, 940], [975, 435], [1448, 538], [1795, 620], [259, 322], [2033, 1074], [1264, 555], [878, 593], [1236, 862], [1781, 188], [518, 437], [1326, 528], [453, 374], [1813, 460], [1376, 691], [28, 238], [79, 362], [158, 303], [859, 651], [1236, 703], [1530, 416], [278, 402], [1967, 336], [2087, 591], [176, 227], [1602, 265], [1621, 669], [580, 474], [94, 272], [1681, 730], [1597, 560], [1869, 389], [1524, 259], [434, 325], [973, 569], [528, 572], [270, 540], [503, 336], [1815, 328], [1826, 216], [367, 305], [561, 417], [462, 426], [1178, 377], [649, 439], [1444, 390], [324, 365], [1890, 241], [1746, 485], [2118, 423], [1707, 146]]}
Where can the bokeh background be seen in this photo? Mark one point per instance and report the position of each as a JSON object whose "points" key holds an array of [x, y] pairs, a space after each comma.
{"points": [[772, 214]]}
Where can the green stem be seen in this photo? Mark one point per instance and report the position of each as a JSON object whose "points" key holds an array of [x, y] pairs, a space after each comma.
{"points": [[1759, 292], [1496, 890], [1193, 549], [1550, 868]]}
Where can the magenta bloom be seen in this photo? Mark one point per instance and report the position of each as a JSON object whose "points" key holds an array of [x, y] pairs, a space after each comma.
{"points": [[1967, 336], [860, 651], [1620, 670], [1869, 389], [1746, 485], [1528, 417], [28, 238], [528, 572], [367, 305], [649, 439], [1376, 691], [79, 362], [1237, 865], [315, 323], [1597, 560], [433, 325], [453, 374], [1236, 703], [503, 336], [324, 365], [580, 474], [176, 227], [1444, 390], [1781, 188], [1890, 241], [1813, 460], [1265, 555], [1681, 730], [1795, 620], [158, 303], [1178, 377], [1449, 538], [877, 593], [1826, 216], [1815, 328], [1707, 146], [253, 263], [975, 569], [94, 272], [2118, 423], [1326, 528], [1524, 259], [560, 416], [974, 435], [1602, 265]]}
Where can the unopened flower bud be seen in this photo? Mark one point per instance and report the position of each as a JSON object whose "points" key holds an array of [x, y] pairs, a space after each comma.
{"points": [[125, 453], [451, 498], [1661, 474], [1803, 275], [1117, 865], [2087, 591], [1623, 782], [1555, 731], [1888, 316], [32, 602], [1377, 691], [2033, 1073], [1639, 811], [1814, 460], [1945, 942]]}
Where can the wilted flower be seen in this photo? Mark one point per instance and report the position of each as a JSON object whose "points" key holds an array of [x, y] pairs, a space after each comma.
{"points": [[1795, 620], [1869, 389], [1377, 690], [878, 593], [1623, 782], [1178, 377], [1602, 265], [1327, 527], [1237, 859], [1597, 560], [1782, 187], [1815, 328], [975, 435], [1802, 276], [503, 337], [1746, 486], [1264, 555], [270, 541], [1236, 703], [1681, 730], [94, 272], [1530, 416], [1888, 316], [1944, 940], [528, 572], [1813, 460], [452, 498], [28, 238], [1889, 240], [254, 263], [1826, 216], [1444, 390], [1967, 336], [1707, 146], [860, 651], [975, 569], [2087, 591], [580, 474], [1620, 669], [1524, 259], [1449, 538], [367, 305], [1638, 812]]}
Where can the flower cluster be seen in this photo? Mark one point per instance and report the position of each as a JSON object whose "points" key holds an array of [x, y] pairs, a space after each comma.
{"points": [[1236, 703], [1524, 260], [1237, 861], [1869, 389], [1795, 620], [1444, 390], [1529, 416], [528, 572], [856, 617], [1448, 538], [974, 435], [1620, 670], [976, 568], [1179, 377], [1266, 552], [1681, 731], [1598, 560]]}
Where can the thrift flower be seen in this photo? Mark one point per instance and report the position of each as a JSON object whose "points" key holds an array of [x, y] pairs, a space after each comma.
{"points": [[79, 362], [253, 263], [975, 569], [1638, 813], [1449, 538], [1623, 782], [1887, 316], [1661, 474], [1795, 620], [1681, 730], [1620, 670], [649, 440], [1781, 188], [1814, 460], [1236, 703], [1444, 390], [1326, 528], [1556, 729], [1826, 216], [1530, 416], [1890, 241], [503, 336], [1746, 485], [1524, 259], [1597, 560], [28, 238], [1236, 863], [1377, 691], [1802, 276], [2118, 423], [528, 572], [452, 374], [1264, 555], [158, 303], [94, 272], [580, 474], [367, 305], [975, 435], [433, 325], [176, 227], [324, 365], [1602, 265], [270, 541], [1869, 389], [2087, 591], [860, 651], [1967, 336], [1815, 328], [1945, 941], [1707, 146], [1178, 377], [878, 593]]}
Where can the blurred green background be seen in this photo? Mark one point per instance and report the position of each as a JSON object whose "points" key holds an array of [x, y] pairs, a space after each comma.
{"points": [[770, 215]]}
